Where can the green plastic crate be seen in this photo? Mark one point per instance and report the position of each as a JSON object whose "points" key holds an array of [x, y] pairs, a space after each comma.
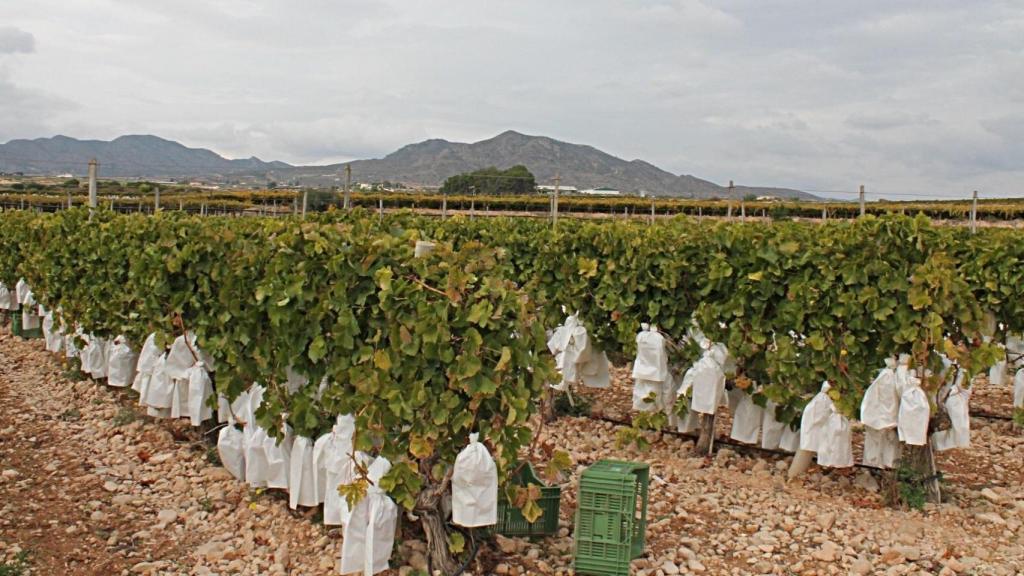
{"points": [[16, 323], [611, 518], [510, 519], [32, 333]]}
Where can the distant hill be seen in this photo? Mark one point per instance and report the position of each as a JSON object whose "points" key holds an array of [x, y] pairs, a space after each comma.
{"points": [[126, 156], [426, 163]]}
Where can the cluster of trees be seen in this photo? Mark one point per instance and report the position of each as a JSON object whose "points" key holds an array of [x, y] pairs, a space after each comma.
{"points": [[492, 181]]}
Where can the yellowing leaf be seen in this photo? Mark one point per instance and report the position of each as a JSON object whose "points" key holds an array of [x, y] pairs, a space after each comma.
{"points": [[506, 357], [382, 360], [420, 447]]}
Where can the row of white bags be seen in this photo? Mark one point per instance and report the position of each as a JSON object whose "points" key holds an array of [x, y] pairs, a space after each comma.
{"points": [[894, 409], [21, 299], [175, 383], [311, 472]]}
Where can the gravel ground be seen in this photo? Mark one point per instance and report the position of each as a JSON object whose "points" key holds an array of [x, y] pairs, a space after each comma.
{"points": [[90, 486]]}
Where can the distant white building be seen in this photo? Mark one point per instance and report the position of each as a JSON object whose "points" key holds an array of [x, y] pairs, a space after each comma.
{"points": [[561, 189], [601, 192]]}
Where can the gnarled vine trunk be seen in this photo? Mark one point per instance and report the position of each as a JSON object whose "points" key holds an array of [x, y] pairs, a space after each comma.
{"points": [[706, 440], [428, 508]]}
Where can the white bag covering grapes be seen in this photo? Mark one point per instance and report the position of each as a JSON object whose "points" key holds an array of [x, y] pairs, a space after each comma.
{"points": [[824, 430], [475, 486], [914, 414], [814, 422], [557, 344], [52, 335], [689, 421], [159, 393], [879, 411], [333, 454], [20, 291], [1018, 389], [903, 374], [708, 379], [651, 377], [181, 357], [5, 297], [790, 441], [776, 435], [144, 367], [957, 406], [279, 452], [837, 450], [302, 475], [30, 320], [746, 419], [880, 408], [369, 536], [94, 357], [70, 346], [256, 467], [200, 389], [231, 449], [997, 373], [121, 363]]}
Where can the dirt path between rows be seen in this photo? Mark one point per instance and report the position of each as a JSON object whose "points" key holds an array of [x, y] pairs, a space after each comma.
{"points": [[91, 486]]}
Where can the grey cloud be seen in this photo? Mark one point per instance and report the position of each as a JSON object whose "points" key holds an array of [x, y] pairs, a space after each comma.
{"points": [[908, 96], [886, 120], [14, 40]]}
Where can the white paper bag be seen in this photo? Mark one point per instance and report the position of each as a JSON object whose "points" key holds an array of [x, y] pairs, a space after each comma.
{"points": [[1018, 389], [771, 429], [814, 421], [120, 363], [651, 362], [997, 373], [880, 408], [914, 415], [333, 456], [708, 381], [160, 390], [595, 373], [746, 420], [231, 449], [648, 396], [279, 453], [179, 397], [21, 290], [200, 388], [959, 435], [53, 336], [881, 447], [369, 536], [837, 450], [790, 441], [475, 486], [181, 357], [302, 475], [256, 468]]}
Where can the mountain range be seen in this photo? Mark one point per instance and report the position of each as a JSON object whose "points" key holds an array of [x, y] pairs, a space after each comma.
{"points": [[425, 164]]}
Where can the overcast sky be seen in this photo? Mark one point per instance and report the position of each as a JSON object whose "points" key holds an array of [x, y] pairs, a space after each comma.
{"points": [[920, 96]]}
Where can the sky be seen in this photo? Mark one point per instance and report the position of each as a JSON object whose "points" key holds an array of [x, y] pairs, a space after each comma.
{"points": [[907, 97]]}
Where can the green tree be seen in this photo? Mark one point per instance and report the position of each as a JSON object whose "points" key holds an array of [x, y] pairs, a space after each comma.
{"points": [[492, 181]]}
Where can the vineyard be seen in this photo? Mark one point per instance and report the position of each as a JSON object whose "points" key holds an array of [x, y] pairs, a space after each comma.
{"points": [[140, 197], [427, 330]]}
